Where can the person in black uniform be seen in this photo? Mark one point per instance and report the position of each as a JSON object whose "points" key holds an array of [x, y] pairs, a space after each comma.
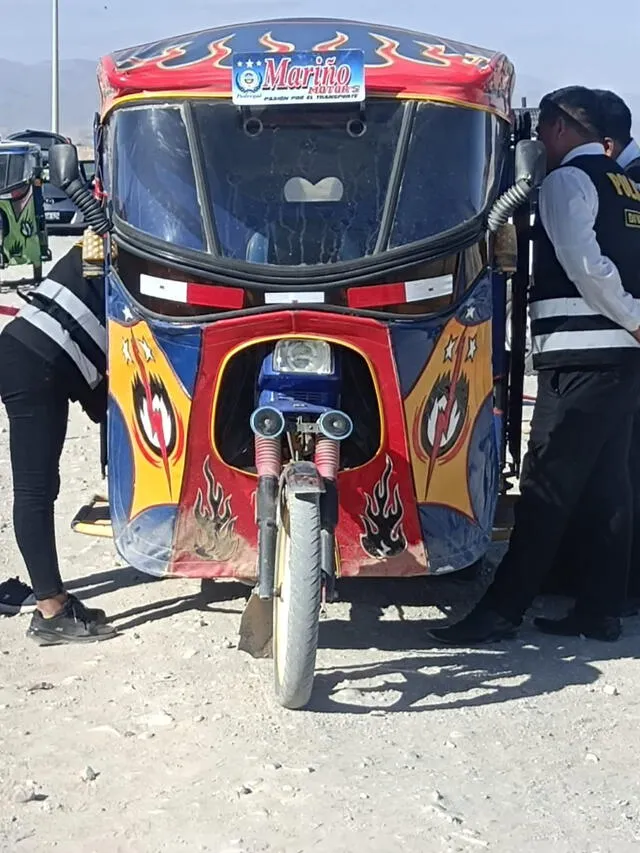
{"points": [[51, 353], [620, 146], [585, 313], [619, 143]]}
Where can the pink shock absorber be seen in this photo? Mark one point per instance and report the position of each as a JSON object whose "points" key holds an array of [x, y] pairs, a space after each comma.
{"points": [[327, 458], [268, 456]]}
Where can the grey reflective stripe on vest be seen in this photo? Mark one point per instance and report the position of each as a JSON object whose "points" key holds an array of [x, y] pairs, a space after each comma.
{"points": [[575, 340], [54, 330], [581, 341], [560, 307], [76, 309]]}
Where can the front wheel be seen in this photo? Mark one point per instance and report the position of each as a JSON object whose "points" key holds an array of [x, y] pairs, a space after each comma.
{"points": [[297, 599]]}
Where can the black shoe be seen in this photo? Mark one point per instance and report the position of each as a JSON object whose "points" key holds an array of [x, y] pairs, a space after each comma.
{"points": [[482, 625], [16, 597], [607, 629], [72, 625], [93, 614]]}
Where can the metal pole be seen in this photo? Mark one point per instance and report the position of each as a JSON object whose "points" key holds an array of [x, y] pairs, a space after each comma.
{"points": [[55, 70]]}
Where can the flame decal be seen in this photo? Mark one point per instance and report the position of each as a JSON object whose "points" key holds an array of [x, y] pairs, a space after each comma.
{"points": [[339, 40], [384, 537], [159, 59], [388, 51], [431, 54], [273, 46], [220, 51], [216, 537]]}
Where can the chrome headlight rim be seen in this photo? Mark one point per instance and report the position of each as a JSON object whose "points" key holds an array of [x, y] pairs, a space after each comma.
{"points": [[319, 355]]}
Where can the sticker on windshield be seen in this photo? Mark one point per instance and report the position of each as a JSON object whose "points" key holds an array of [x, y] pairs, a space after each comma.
{"points": [[335, 76]]}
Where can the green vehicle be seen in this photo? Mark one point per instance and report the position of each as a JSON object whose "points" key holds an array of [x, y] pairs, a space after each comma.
{"points": [[23, 234]]}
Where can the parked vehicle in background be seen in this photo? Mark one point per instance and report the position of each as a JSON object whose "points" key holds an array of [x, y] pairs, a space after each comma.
{"points": [[23, 236], [44, 139]]}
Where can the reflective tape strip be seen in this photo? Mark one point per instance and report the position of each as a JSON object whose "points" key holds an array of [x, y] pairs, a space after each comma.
{"points": [[293, 297], [571, 341], [76, 308], [163, 288], [428, 288], [546, 308], [189, 293], [400, 293], [62, 338], [215, 295]]}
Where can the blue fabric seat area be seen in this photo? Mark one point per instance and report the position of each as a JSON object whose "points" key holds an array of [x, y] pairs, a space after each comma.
{"points": [[263, 249]]}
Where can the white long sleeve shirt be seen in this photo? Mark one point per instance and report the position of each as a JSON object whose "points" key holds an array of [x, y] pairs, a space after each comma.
{"points": [[568, 205], [630, 153]]}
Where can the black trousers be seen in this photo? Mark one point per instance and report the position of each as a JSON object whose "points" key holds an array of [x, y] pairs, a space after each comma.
{"points": [[36, 397], [566, 571], [577, 462]]}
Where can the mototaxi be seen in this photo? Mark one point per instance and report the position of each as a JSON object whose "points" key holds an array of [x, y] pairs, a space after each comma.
{"points": [[306, 243], [23, 234]]}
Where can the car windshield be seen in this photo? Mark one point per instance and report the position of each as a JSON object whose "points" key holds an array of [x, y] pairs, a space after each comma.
{"points": [[302, 186]]}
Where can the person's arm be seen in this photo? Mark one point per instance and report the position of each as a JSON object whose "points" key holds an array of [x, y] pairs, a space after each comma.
{"points": [[568, 206]]}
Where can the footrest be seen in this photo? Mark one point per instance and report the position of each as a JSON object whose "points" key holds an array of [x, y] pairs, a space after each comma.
{"points": [[94, 518]]}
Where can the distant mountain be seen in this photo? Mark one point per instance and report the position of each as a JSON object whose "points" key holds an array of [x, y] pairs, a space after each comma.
{"points": [[25, 96]]}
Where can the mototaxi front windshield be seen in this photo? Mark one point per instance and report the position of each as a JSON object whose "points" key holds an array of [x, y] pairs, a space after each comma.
{"points": [[16, 168], [301, 185]]}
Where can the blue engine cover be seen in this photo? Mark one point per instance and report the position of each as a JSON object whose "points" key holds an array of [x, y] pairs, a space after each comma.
{"points": [[298, 393]]}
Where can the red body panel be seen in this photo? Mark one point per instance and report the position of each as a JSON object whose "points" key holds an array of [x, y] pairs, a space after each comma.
{"points": [[381, 489]]}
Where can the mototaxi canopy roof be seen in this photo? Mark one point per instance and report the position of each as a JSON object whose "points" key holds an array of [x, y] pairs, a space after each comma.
{"points": [[398, 63]]}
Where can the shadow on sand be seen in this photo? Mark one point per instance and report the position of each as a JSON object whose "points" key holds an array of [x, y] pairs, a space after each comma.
{"points": [[413, 674]]}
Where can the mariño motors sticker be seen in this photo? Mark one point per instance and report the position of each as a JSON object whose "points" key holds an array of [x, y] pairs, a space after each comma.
{"points": [[298, 78]]}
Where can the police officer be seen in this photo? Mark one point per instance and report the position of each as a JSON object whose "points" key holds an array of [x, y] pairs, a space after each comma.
{"points": [[585, 312], [620, 146], [51, 353], [619, 143]]}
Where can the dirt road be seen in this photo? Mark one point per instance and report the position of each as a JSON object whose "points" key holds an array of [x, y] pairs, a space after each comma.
{"points": [[168, 739]]}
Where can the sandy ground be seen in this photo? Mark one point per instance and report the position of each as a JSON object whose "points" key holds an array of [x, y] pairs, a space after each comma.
{"points": [[168, 739]]}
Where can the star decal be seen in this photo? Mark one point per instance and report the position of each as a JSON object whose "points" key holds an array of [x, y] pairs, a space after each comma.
{"points": [[472, 348], [450, 349], [470, 313], [146, 350]]}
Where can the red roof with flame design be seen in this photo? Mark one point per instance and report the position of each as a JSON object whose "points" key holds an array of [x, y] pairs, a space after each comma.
{"points": [[399, 63]]}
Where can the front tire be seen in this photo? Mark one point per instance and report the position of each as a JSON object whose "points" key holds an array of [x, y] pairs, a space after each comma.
{"points": [[297, 599]]}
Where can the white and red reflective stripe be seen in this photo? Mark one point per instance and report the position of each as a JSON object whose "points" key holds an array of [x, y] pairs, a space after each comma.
{"points": [[378, 295], [189, 293]]}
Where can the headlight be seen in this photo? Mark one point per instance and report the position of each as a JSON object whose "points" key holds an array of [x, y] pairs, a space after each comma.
{"points": [[303, 356]]}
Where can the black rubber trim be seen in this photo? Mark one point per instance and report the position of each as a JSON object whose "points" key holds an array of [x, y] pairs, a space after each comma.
{"points": [[278, 278]]}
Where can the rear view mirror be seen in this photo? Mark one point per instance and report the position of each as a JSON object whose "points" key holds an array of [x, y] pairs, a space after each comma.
{"points": [[64, 173], [531, 162], [64, 168], [530, 170]]}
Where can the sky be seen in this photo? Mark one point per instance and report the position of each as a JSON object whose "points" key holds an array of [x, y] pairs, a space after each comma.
{"points": [[552, 42]]}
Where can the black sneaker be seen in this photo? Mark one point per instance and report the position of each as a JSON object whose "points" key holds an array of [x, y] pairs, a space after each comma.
{"points": [[72, 625], [482, 625], [607, 629], [93, 614], [16, 597]]}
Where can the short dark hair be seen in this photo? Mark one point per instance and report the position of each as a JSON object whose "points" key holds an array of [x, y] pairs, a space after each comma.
{"points": [[617, 116], [578, 106]]}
